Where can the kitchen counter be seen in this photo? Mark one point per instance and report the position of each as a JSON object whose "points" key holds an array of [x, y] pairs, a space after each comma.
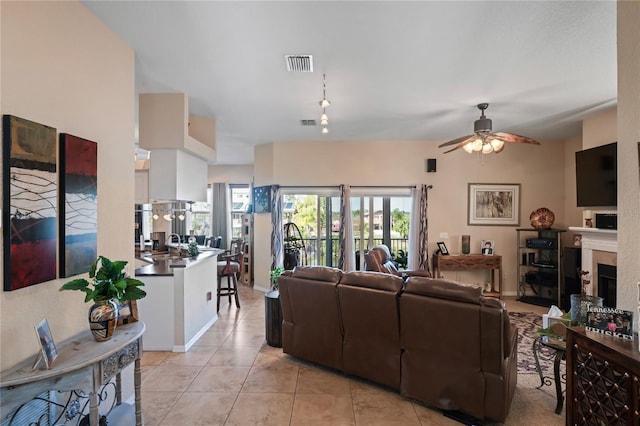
{"points": [[180, 304], [165, 267]]}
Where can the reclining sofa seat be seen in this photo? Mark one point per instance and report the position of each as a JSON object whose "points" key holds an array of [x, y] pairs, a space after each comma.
{"points": [[311, 325], [371, 326], [378, 259], [458, 348]]}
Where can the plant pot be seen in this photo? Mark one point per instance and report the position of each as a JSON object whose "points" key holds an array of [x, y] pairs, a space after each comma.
{"points": [[273, 318], [103, 318], [580, 304]]}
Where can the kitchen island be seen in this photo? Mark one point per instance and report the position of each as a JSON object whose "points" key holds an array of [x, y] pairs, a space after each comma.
{"points": [[180, 304]]}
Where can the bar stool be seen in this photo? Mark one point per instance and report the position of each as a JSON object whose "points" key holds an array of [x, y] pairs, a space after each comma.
{"points": [[230, 266]]}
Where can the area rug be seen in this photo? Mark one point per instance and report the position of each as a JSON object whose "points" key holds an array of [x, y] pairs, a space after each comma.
{"points": [[528, 323]]}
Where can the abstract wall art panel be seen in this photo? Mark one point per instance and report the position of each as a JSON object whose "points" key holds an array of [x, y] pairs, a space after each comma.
{"points": [[29, 188], [78, 204]]}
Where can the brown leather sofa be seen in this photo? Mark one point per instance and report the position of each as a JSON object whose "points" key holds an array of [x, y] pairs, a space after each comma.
{"points": [[436, 341]]}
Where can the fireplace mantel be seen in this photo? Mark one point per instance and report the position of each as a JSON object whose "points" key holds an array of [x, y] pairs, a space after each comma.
{"points": [[598, 240]]}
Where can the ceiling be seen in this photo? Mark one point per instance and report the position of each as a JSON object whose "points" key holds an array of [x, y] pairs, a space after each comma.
{"points": [[395, 70]]}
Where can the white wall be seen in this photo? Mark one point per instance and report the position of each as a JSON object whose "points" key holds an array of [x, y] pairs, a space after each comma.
{"points": [[538, 169], [230, 174], [62, 67]]}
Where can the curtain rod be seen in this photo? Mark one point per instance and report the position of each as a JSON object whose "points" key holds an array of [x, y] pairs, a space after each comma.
{"points": [[354, 186]]}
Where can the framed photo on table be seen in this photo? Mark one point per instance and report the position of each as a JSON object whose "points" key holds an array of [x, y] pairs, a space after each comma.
{"points": [[487, 247], [442, 248], [48, 351], [494, 204], [127, 312]]}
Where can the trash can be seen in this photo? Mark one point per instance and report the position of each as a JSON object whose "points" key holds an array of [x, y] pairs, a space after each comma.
{"points": [[273, 318]]}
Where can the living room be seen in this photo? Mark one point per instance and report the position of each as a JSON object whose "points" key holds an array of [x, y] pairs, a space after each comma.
{"points": [[82, 81]]}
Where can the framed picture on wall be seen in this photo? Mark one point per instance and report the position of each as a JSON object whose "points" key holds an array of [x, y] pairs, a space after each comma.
{"points": [[262, 199], [494, 204]]}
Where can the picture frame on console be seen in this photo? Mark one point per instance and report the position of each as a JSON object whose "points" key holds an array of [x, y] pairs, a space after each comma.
{"points": [[48, 352], [442, 248], [494, 204], [487, 247], [127, 312]]}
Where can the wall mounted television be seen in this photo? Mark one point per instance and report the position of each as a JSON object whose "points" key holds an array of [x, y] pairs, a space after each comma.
{"points": [[596, 176]]}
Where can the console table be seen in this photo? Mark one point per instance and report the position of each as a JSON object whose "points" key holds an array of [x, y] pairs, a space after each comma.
{"points": [[457, 262], [82, 364]]}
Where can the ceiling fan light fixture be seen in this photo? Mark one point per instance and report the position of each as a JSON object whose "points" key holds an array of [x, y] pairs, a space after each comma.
{"points": [[324, 103], [497, 145], [487, 140]]}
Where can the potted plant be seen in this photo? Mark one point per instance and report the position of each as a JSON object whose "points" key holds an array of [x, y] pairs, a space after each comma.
{"points": [[275, 274], [109, 282]]}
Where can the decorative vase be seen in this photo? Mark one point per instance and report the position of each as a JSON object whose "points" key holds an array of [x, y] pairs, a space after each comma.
{"points": [[103, 318], [542, 218], [466, 244], [580, 304]]}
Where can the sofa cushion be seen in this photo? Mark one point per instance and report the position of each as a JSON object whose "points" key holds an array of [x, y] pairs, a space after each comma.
{"points": [[444, 289], [319, 273], [371, 327], [311, 325], [374, 280]]}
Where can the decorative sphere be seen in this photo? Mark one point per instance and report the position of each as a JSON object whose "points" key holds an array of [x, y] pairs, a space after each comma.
{"points": [[542, 218]]}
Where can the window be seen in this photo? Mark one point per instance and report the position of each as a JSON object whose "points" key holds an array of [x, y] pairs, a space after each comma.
{"points": [[381, 220], [240, 200], [200, 220], [377, 219]]}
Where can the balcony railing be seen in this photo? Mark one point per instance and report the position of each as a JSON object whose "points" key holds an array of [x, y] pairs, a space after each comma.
{"points": [[317, 250]]}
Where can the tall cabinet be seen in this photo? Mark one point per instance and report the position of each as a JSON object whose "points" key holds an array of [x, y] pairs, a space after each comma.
{"points": [[539, 266]]}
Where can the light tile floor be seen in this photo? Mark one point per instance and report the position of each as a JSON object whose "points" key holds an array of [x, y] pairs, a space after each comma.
{"points": [[232, 377]]}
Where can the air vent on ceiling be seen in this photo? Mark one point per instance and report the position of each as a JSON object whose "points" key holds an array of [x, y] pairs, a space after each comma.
{"points": [[308, 122], [299, 63]]}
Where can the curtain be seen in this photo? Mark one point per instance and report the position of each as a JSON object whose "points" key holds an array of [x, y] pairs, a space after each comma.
{"points": [[418, 235], [277, 240], [347, 256], [220, 213]]}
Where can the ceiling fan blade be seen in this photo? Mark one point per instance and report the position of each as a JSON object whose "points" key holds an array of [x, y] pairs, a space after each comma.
{"points": [[513, 138], [456, 141]]}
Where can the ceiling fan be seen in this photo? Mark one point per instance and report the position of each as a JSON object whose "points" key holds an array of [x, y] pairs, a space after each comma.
{"points": [[484, 139]]}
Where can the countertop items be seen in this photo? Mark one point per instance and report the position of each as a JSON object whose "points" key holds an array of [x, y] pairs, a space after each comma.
{"points": [[164, 263]]}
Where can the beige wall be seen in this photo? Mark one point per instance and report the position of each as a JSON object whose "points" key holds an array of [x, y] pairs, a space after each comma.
{"points": [[573, 214], [62, 67], [628, 130], [599, 129], [538, 169]]}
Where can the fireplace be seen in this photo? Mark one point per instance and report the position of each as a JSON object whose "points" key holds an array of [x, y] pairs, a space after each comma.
{"points": [[600, 247], [607, 284]]}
